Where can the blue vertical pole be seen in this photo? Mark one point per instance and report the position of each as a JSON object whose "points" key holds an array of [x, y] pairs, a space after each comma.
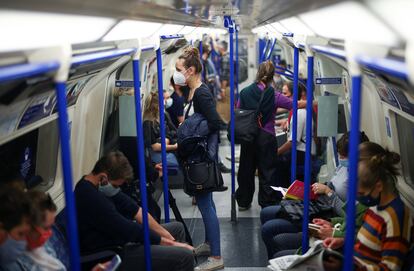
{"points": [[141, 164], [308, 156], [230, 25], [353, 171], [263, 54], [162, 130], [67, 177], [261, 47], [272, 47], [295, 113], [237, 63]]}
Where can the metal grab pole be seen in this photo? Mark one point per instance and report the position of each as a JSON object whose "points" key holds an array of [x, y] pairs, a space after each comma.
{"points": [[308, 156], [353, 172], [141, 163], [67, 177], [162, 129], [295, 113], [230, 25], [237, 63], [263, 54], [269, 54]]}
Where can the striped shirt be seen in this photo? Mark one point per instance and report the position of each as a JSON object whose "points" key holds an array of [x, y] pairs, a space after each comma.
{"points": [[385, 237]]}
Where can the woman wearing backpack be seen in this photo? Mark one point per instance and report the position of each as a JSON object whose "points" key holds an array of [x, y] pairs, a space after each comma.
{"points": [[201, 100], [262, 152]]}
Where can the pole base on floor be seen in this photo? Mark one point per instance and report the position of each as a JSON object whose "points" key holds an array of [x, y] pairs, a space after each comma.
{"points": [[233, 208]]}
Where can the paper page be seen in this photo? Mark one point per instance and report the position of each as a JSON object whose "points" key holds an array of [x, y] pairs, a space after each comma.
{"points": [[280, 189]]}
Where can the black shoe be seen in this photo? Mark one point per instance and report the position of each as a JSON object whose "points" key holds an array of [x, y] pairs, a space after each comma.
{"points": [[222, 188], [223, 168], [242, 208]]}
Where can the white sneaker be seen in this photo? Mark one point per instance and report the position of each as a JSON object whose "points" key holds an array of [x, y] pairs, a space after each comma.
{"points": [[210, 265], [203, 250]]}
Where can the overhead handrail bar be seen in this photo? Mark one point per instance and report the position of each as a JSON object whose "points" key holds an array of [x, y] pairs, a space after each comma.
{"points": [[229, 24], [295, 113], [284, 69], [392, 67], [335, 52], [170, 37], [141, 158], [64, 138], [147, 48], [13, 72], [92, 57]]}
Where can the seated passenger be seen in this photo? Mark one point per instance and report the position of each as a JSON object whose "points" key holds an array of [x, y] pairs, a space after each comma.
{"points": [[283, 173], [331, 194], [386, 235], [152, 134], [14, 224], [101, 225]]}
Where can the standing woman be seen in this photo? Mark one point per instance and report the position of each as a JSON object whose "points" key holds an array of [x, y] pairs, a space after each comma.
{"points": [[188, 72], [261, 154]]}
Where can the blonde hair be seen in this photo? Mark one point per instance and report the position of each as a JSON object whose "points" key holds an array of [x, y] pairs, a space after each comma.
{"points": [[265, 72], [151, 110]]}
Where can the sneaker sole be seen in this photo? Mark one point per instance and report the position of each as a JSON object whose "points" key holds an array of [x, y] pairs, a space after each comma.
{"points": [[214, 269]]}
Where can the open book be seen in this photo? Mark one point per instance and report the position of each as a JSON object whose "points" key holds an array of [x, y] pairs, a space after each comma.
{"points": [[311, 260], [295, 191]]}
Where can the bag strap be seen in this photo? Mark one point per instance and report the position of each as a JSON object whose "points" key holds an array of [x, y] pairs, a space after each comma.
{"points": [[188, 109]]}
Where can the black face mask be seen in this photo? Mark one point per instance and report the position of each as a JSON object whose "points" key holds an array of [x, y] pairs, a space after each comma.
{"points": [[186, 91]]}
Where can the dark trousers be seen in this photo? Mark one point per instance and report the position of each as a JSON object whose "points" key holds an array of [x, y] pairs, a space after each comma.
{"points": [[260, 154], [283, 165], [164, 258]]}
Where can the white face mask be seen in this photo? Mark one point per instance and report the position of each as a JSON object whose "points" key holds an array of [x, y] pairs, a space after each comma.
{"points": [[168, 103], [179, 78]]}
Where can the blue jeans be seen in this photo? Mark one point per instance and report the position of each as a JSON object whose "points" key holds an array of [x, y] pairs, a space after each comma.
{"points": [[272, 226], [171, 159], [207, 209]]}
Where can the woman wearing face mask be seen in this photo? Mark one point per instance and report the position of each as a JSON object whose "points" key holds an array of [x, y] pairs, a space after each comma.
{"points": [[14, 216], [387, 231], [276, 231], [40, 255], [188, 72], [152, 133], [260, 154]]}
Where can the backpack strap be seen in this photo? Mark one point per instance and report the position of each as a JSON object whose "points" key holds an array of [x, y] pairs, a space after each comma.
{"points": [[188, 110]]}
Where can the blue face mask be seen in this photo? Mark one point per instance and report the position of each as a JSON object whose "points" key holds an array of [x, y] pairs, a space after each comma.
{"points": [[11, 249], [369, 200], [343, 162], [109, 190]]}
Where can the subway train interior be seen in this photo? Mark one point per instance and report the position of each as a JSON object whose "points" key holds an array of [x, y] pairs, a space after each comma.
{"points": [[81, 80]]}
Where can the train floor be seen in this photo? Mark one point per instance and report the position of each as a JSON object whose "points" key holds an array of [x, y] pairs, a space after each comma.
{"points": [[241, 244]]}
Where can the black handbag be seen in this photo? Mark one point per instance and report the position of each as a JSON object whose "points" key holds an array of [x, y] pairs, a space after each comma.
{"points": [[246, 124], [201, 177]]}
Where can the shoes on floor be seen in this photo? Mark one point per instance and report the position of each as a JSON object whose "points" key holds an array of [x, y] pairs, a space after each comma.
{"points": [[202, 250], [244, 208], [210, 265], [223, 168]]}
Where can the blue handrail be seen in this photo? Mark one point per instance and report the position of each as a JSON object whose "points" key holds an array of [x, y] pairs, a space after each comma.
{"points": [[392, 67], [308, 155], [70, 208], [141, 164], [263, 54], [272, 47], [92, 57], [338, 53], [13, 72], [237, 63], [162, 130], [230, 25], [170, 37], [353, 171], [284, 69], [147, 48], [295, 113]]}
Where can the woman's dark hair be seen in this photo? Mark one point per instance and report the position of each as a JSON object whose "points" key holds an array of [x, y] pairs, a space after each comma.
{"points": [[116, 165], [378, 164], [14, 207], [343, 142], [191, 57], [265, 72], [289, 85], [40, 202]]}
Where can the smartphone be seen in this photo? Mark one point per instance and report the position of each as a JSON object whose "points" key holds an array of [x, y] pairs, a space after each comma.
{"points": [[114, 264], [314, 226], [314, 230]]}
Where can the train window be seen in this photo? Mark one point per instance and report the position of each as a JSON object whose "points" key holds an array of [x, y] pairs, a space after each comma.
{"points": [[406, 141], [33, 156]]}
